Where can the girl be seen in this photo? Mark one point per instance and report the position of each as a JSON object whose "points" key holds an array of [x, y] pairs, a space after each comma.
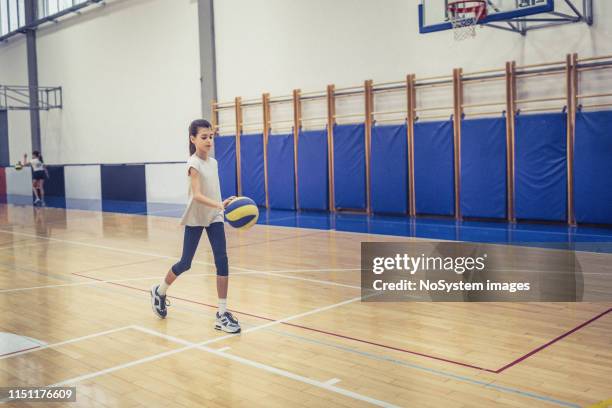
{"points": [[39, 171], [204, 211]]}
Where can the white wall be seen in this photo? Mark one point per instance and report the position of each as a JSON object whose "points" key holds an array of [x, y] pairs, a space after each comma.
{"points": [[278, 45], [167, 183], [19, 182], [130, 78], [83, 182], [14, 71]]}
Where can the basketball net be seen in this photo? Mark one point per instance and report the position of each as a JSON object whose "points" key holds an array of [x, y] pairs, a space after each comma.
{"points": [[464, 15]]}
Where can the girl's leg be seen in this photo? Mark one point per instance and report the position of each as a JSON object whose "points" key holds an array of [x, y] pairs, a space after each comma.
{"points": [[168, 280], [35, 189], [216, 236], [191, 239], [41, 190]]}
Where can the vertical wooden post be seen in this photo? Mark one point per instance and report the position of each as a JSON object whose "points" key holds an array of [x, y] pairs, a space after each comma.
{"points": [[369, 120], [510, 131], [571, 84], [297, 126], [265, 103], [331, 120], [238, 111], [458, 113], [214, 121], [410, 119], [214, 116]]}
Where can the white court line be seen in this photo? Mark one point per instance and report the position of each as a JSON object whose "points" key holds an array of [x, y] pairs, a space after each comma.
{"points": [[61, 343], [280, 275], [52, 286], [24, 246], [428, 224], [195, 345], [222, 349], [98, 282], [193, 275], [128, 251], [315, 270], [250, 271], [328, 385]]}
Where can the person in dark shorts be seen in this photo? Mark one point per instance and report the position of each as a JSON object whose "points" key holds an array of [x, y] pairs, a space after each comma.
{"points": [[39, 174]]}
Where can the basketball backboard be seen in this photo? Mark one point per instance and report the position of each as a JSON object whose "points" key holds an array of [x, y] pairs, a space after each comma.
{"points": [[512, 15]]}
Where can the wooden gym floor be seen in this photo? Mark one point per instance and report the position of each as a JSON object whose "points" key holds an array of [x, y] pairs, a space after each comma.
{"points": [[77, 282]]}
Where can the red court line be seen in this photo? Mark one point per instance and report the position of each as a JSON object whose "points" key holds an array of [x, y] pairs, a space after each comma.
{"points": [[518, 360], [553, 341], [172, 297]]}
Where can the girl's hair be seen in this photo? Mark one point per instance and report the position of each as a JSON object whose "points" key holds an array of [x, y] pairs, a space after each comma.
{"points": [[36, 153], [193, 130]]}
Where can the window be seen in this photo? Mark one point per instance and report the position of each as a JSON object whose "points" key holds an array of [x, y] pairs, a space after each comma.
{"points": [[50, 7], [12, 12], [4, 21]]}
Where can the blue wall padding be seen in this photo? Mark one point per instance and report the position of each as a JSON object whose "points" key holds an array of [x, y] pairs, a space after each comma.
{"points": [[389, 169], [349, 167], [252, 168], [313, 184], [593, 167], [225, 153], [281, 172], [540, 167], [123, 182], [54, 185], [434, 184], [483, 168]]}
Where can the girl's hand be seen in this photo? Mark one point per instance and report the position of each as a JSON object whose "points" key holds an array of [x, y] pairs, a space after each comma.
{"points": [[228, 200]]}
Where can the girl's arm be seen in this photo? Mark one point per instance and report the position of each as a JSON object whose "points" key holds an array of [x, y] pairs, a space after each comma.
{"points": [[197, 194], [25, 160]]}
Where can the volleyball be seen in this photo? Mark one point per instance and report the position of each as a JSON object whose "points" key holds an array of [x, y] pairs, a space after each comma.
{"points": [[242, 213]]}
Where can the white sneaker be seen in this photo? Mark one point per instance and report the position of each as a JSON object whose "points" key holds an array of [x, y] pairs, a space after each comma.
{"points": [[158, 303], [227, 323]]}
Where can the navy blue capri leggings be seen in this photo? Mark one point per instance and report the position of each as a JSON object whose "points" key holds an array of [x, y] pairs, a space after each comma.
{"points": [[216, 237]]}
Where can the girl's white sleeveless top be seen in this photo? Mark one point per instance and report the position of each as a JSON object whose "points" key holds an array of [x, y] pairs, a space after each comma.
{"points": [[196, 213]]}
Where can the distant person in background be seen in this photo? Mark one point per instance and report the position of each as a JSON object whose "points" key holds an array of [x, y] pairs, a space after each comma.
{"points": [[39, 174]]}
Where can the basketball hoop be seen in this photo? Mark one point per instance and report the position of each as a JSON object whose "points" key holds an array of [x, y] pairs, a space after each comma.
{"points": [[464, 15]]}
